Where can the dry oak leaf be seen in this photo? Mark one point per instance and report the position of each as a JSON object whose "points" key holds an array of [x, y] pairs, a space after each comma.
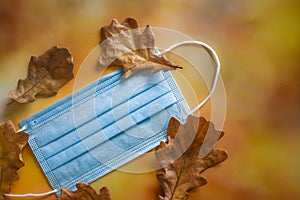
{"points": [[11, 145], [85, 192], [124, 45], [180, 160], [46, 74]]}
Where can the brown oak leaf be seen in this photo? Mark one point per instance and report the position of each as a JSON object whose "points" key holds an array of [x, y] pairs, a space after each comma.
{"points": [[182, 158], [124, 45], [46, 74], [85, 192], [11, 145]]}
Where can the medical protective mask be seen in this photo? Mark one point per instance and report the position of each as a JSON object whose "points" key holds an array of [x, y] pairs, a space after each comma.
{"points": [[103, 126]]}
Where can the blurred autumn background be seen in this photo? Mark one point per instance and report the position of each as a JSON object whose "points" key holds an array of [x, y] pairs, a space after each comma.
{"points": [[258, 42]]}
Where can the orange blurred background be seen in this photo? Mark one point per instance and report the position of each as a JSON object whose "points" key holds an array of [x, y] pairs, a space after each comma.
{"points": [[259, 46]]}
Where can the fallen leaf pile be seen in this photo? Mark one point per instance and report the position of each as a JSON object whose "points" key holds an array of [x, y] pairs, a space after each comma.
{"points": [[124, 45], [11, 145], [180, 158], [46, 74], [84, 192]]}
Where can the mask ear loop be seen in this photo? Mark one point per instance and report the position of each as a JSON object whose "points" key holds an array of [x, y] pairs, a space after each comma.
{"points": [[22, 129], [31, 194], [212, 54]]}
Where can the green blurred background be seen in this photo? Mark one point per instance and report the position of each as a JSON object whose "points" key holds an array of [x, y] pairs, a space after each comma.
{"points": [[258, 42]]}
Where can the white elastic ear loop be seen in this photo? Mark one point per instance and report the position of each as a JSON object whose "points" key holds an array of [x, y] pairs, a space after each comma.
{"points": [[31, 194], [22, 129], [215, 58]]}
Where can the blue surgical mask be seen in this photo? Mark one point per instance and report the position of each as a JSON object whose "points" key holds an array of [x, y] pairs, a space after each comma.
{"points": [[102, 126], [106, 124]]}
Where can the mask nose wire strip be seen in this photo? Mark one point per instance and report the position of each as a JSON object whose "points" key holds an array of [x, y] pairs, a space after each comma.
{"points": [[214, 57], [31, 194]]}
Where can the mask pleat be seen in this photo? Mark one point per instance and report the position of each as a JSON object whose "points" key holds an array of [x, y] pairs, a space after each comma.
{"points": [[105, 153], [106, 118], [110, 130], [72, 117]]}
